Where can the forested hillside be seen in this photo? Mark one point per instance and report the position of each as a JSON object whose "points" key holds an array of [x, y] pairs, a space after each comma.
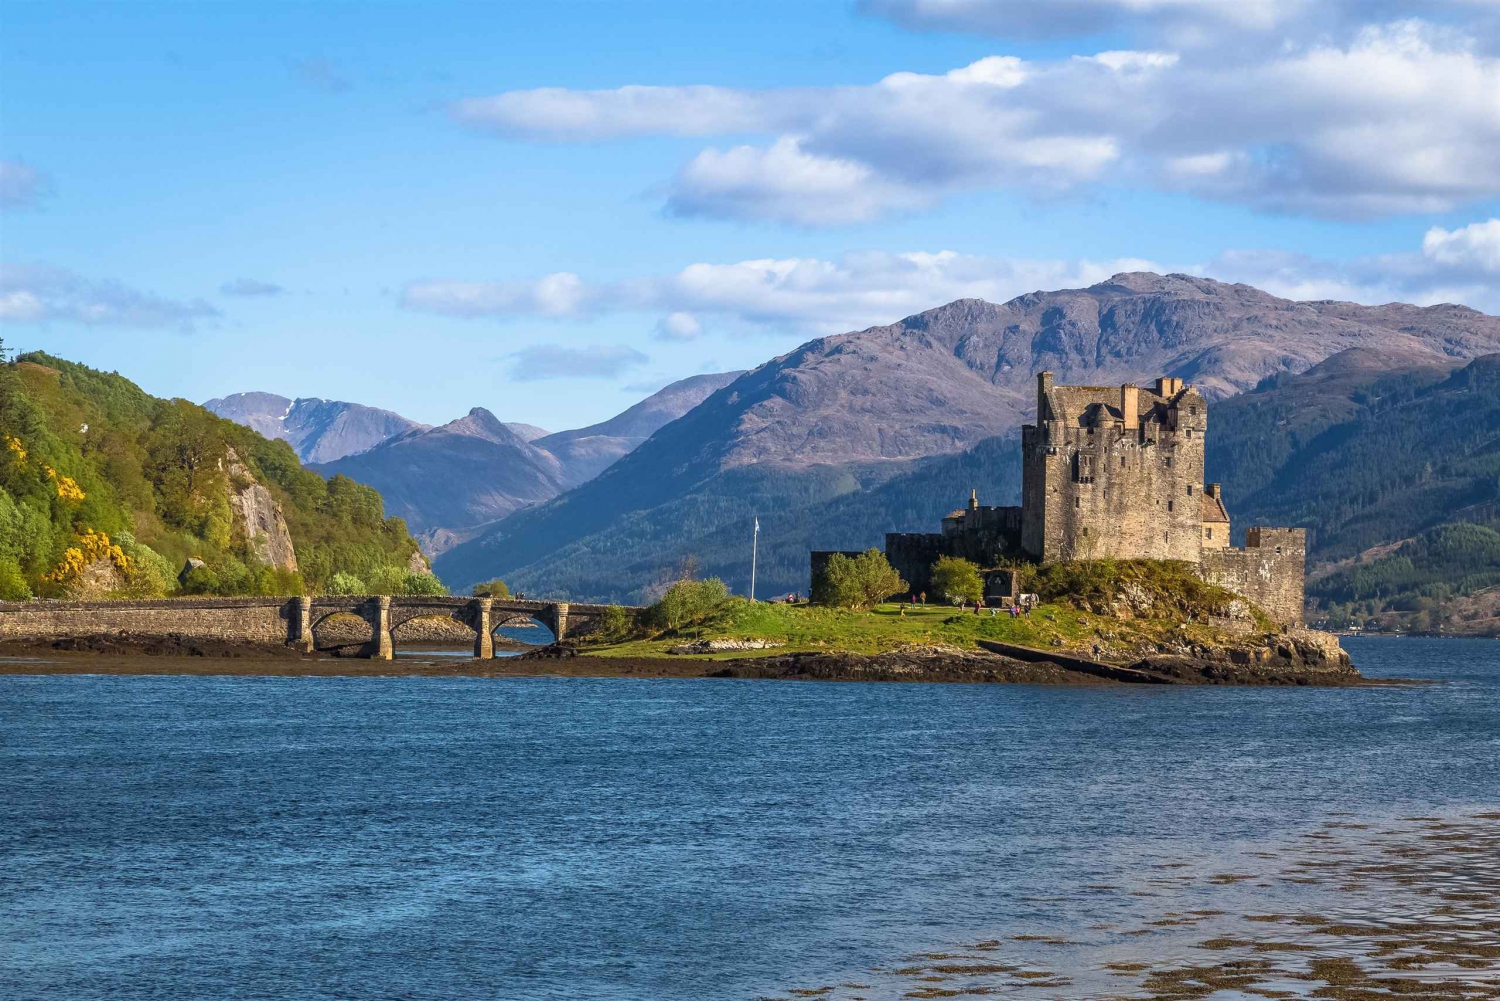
{"points": [[1361, 459], [104, 488]]}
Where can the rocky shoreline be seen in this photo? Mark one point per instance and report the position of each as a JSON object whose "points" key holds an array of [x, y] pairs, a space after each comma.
{"points": [[1299, 658]]}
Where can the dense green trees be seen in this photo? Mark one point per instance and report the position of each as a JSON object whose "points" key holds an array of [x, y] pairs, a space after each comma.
{"points": [[857, 582], [88, 456]]}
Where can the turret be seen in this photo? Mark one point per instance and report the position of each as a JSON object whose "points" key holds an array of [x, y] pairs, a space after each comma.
{"points": [[1043, 387], [1130, 406]]}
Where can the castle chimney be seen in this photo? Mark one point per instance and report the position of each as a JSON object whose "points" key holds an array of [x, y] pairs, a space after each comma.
{"points": [[1130, 406], [1043, 387], [1212, 490], [973, 500]]}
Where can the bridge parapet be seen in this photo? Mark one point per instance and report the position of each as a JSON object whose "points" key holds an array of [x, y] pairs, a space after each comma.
{"points": [[271, 621]]}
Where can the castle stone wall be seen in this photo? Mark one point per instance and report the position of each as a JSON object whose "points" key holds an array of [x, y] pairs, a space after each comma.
{"points": [[1269, 571]]}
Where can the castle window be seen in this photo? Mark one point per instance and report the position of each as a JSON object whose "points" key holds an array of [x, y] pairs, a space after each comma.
{"points": [[1077, 502], [1278, 550], [1190, 490], [1085, 530], [1169, 505], [1122, 462], [1169, 462], [1189, 432], [1193, 410], [1208, 533]]}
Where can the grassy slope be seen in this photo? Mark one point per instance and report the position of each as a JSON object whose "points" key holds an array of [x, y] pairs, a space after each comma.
{"points": [[814, 628]]}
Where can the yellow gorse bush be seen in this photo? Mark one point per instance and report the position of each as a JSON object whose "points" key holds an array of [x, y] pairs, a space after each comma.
{"points": [[92, 547], [67, 487], [16, 449]]}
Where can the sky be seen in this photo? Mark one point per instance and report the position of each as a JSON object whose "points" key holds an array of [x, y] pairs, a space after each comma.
{"points": [[550, 210]]}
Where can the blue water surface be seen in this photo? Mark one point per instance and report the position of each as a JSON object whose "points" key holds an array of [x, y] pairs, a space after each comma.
{"points": [[215, 837]]}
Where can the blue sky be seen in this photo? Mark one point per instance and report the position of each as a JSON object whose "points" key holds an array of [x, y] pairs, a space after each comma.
{"points": [[549, 210]]}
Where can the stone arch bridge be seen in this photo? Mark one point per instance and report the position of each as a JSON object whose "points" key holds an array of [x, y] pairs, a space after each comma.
{"points": [[285, 621]]}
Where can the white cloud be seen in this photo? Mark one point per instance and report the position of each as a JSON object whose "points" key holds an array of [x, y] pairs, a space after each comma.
{"points": [[1458, 266], [1475, 246], [679, 326], [557, 294], [798, 294], [31, 293], [815, 296], [1394, 118], [787, 184], [550, 361], [22, 186]]}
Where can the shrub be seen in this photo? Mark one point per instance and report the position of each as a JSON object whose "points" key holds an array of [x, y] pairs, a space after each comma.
{"points": [[12, 584], [151, 574], [617, 624], [491, 589], [860, 582], [346, 583], [423, 584], [957, 579], [201, 580], [1146, 587], [687, 602]]}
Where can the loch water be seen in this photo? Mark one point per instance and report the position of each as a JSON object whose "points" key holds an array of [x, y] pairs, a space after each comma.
{"points": [[548, 838]]}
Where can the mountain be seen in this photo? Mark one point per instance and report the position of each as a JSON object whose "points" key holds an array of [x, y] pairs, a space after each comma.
{"points": [[105, 489], [318, 430], [844, 414], [587, 452], [450, 481], [527, 432], [454, 477]]}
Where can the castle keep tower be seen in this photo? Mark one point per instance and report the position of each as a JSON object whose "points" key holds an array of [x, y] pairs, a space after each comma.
{"points": [[1115, 472]]}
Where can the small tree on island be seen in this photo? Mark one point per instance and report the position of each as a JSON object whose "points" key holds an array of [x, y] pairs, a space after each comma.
{"points": [[957, 579], [492, 589], [859, 582]]}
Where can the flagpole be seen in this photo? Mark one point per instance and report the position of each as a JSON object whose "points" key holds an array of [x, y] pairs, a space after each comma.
{"points": [[754, 552]]}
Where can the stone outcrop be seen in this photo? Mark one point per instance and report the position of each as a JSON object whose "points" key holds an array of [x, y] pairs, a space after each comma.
{"points": [[259, 517]]}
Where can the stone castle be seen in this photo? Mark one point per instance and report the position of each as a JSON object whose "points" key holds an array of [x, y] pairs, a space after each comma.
{"points": [[1114, 472]]}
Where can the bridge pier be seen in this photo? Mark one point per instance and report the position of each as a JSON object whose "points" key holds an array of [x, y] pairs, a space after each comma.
{"points": [[380, 646], [484, 642], [302, 637], [557, 619]]}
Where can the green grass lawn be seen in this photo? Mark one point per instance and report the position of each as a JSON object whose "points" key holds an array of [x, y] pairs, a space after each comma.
{"points": [[812, 627]]}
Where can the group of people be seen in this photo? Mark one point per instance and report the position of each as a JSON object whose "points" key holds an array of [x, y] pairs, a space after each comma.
{"points": [[1013, 608]]}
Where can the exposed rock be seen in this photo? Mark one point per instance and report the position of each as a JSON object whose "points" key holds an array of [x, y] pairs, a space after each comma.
{"points": [[723, 645], [193, 563], [418, 563], [258, 515], [1295, 657], [96, 580]]}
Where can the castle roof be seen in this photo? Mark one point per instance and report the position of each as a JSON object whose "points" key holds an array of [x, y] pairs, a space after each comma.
{"points": [[960, 513], [1213, 510], [1093, 404]]}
